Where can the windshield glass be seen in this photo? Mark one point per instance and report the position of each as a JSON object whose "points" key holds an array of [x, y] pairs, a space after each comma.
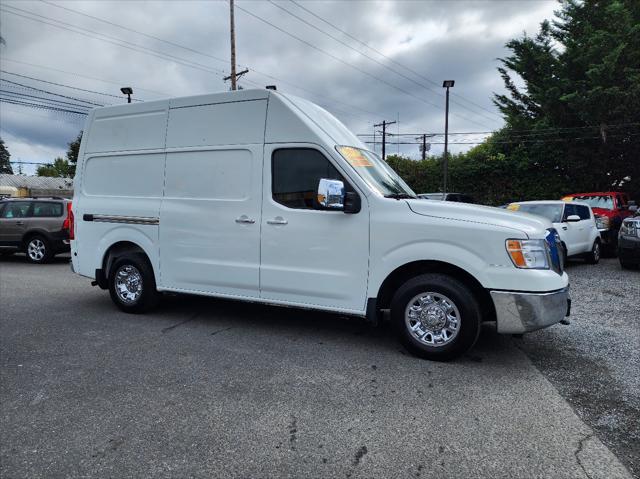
{"points": [[605, 202], [551, 212], [431, 196], [372, 169]]}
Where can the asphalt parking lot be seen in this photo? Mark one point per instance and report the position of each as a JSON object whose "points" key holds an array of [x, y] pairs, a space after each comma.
{"points": [[211, 388]]}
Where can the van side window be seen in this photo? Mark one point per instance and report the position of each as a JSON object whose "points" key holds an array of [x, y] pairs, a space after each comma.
{"points": [[47, 209], [295, 174], [583, 212]]}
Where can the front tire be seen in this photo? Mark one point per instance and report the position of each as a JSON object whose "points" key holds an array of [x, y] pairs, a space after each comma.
{"points": [[436, 317], [132, 284], [38, 250], [593, 256]]}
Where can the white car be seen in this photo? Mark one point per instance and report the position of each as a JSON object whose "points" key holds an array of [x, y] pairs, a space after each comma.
{"points": [[260, 196], [574, 222]]}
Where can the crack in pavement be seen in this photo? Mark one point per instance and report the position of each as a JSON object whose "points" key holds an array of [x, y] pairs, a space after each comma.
{"points": [[221, 330], [169, 328], [579, 450]]}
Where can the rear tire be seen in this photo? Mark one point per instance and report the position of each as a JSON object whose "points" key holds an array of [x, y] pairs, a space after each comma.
{"points": [[593, 256], [132, 284], [38, 249], [436, 317]]}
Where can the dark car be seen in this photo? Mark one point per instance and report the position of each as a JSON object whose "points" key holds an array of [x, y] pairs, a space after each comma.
{"points": [[457, 197], [629, 242], [41, 227]]}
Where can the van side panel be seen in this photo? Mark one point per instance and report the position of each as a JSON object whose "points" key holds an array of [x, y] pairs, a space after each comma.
{"points": [[210, 214], [207, 125], [119, 183], [132, 127]]}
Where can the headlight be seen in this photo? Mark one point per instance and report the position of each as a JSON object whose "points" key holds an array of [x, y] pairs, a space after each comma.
{"points": [[528, 254], [629, 228], [602, 222]]}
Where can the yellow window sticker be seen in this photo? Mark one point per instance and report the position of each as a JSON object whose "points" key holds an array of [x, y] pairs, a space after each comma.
{"points": [[354, 156]]}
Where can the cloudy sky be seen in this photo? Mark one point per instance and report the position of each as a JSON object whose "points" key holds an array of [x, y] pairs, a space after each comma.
{"points": [[365, 61]]}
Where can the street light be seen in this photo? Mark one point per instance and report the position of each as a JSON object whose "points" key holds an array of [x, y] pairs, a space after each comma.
{"points": [[446, 84], [127, 90]]}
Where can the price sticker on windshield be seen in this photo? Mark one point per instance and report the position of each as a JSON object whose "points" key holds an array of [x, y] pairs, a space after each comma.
{"points": [[354, 156]]}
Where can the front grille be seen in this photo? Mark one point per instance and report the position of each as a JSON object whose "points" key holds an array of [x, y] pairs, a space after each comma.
{"points": [[556, 252]]}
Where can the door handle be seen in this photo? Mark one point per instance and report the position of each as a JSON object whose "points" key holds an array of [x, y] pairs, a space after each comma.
{"points": [[278, 220], [244, 219], [19, 223], [564, 228]]}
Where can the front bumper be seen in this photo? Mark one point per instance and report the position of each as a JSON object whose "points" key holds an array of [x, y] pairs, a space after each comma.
{"points": [[518, 312], [629, 249]]}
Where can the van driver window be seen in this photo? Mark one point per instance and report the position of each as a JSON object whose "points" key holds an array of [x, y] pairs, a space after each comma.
{"points": [[295, 175]]}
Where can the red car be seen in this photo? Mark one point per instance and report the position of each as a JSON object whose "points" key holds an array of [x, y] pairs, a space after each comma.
{"points": [[610, 209]]}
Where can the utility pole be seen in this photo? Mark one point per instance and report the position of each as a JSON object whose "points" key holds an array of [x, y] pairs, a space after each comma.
{"points": [[233, 76], [424, 147], [384, 125]]}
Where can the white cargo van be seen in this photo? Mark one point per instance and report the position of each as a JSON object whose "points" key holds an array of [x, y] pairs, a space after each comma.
{"points": [[260, 196]]}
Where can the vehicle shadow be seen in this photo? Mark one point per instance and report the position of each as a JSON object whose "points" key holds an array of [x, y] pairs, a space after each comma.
{"points": [[311, 326]]}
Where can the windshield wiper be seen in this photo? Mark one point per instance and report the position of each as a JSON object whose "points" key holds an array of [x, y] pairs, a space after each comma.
{"points": [[400, 196]]}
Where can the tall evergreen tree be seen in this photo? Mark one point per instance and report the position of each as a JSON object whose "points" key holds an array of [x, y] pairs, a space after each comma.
{"points": [[578, 115]]}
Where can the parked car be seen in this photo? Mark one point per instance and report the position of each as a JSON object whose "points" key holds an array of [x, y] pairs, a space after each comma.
{"points": [[629, 242], [219, 195], [610, 209], [458, 197], [38, 226], [574, 222]]}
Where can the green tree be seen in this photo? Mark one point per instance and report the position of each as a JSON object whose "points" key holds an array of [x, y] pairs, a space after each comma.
{"points": [[5, 156], [578, 115], [63, 167], [59, 168]]}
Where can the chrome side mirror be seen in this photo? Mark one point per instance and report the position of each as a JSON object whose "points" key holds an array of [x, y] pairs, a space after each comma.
{"points": [[573, 218], [331, 194]]}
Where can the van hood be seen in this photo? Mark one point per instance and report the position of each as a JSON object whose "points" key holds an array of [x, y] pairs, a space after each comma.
{"points": [[530, 225]]}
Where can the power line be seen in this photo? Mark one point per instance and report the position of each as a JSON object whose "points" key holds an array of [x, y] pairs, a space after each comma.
{"points": [[198, 52], [389, 58], [63, 85], [76, 74], [541, 130], [50, 92], [36, 105], [338, 59], [112, 40], [429, 89], [50, 100]]}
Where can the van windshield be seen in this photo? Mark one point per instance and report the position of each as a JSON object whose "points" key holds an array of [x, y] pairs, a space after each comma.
{"points": [[375, 172]]}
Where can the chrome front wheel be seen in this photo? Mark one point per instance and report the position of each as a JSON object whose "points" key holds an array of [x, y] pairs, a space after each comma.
{"points": [[432, 318]]}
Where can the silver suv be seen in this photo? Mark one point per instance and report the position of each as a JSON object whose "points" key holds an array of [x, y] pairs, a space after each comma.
{"points": [[41, 227]]}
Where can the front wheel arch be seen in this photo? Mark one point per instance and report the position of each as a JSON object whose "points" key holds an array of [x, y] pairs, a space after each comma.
{"points": [[407, 271]]}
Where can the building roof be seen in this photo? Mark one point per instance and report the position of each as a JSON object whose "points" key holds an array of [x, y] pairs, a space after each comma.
{"points": [[36, 182]]}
